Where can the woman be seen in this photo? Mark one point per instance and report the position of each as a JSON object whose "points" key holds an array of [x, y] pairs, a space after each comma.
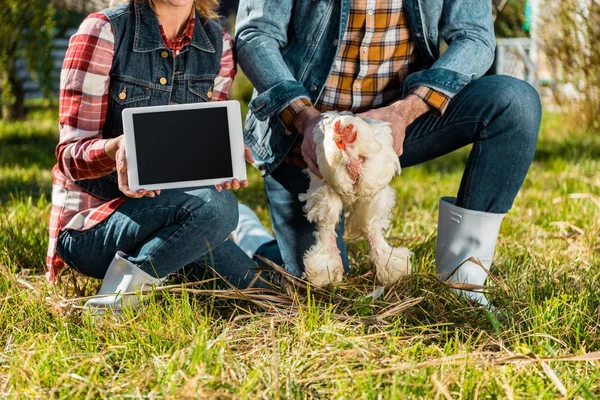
{"points": [[136, 54]]}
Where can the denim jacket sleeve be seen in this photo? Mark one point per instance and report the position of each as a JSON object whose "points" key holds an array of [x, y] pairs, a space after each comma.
{"points": [[467, 26], [261, 34]]}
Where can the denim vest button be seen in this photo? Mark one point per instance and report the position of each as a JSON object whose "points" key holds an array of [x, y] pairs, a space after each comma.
{"points": [[164, 54], [313, 88], [163, 81], [335, 42]]}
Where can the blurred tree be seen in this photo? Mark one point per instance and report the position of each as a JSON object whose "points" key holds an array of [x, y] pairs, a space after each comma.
{"points": [[510, 18], [571, 32], [69, 15], [26, 32]]}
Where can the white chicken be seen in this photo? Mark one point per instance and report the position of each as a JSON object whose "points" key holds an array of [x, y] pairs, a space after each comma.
{"points": [[357, 161]]}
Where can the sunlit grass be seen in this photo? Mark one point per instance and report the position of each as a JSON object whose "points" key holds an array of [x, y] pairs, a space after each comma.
{"points": [[193, 346]]}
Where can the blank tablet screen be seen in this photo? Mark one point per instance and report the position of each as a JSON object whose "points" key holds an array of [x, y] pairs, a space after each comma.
{"points": [[183, 145]]}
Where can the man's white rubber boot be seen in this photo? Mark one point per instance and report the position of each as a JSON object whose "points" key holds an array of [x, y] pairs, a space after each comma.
{"points": [[250, 233], [121, 277], [463, 234]]}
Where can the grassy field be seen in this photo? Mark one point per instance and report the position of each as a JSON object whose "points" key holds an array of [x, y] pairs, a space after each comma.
{"points": [[415, 341]]}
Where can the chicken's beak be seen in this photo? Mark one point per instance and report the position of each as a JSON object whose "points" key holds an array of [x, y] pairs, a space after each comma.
{"points": [[339, 141]]}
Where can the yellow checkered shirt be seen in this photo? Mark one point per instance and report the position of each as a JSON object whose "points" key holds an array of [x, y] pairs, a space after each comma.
{"points": [[374, 58]]}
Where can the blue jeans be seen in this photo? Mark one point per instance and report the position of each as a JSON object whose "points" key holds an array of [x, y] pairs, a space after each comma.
{"points": [[499, 115], [162, 235]]}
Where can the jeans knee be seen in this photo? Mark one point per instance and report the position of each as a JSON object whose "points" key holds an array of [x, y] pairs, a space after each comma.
{"points": [[228, 210], [219, 209], [520, 104]]}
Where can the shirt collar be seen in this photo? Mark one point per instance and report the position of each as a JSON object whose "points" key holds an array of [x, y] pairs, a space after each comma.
{"points": [[182, 40], [148, 31]]}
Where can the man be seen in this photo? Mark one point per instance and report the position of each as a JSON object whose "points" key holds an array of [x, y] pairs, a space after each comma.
{"points": [[382, 59]]}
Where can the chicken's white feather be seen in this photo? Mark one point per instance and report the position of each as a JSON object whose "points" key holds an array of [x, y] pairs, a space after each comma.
{"points": [[357, 161]]}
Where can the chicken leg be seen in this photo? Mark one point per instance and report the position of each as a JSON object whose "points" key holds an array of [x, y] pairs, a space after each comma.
{"points": [[371, 217], [322, 262]]}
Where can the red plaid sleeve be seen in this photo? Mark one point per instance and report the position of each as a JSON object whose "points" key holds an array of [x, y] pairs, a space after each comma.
{"points": [[84, 86], [227, 70]]}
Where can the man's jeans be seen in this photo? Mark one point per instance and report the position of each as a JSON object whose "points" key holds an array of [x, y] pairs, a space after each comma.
{"points": [[161, 235], [499, 115]]}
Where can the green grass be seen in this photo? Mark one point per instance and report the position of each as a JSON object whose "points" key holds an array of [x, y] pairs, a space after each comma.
{"points": [[188, 344]]}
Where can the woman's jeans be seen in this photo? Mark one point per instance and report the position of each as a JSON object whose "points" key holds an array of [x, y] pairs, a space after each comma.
{"points": [[161, 235], [499, 115]]}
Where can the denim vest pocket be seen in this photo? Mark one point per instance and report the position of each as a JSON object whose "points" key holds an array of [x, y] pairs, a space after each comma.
{"points": [[129, 94], [123, 94], [201, 89]]}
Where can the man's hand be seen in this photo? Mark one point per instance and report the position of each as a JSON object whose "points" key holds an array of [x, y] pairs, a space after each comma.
{"points": [[305, 123], [115, 149], [400, 115]]}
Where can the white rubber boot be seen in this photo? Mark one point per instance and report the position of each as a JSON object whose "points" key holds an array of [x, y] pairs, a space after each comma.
{"points": [[121, 277], [463, 234], [250, 233]]}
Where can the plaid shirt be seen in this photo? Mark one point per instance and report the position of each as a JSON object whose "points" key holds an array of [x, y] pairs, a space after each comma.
{"points": [[375, 56], [80, 154]]}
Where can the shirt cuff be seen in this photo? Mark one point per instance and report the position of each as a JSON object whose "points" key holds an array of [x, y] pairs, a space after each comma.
{"points": [[102, 163], [289, 114], [438, 101]]}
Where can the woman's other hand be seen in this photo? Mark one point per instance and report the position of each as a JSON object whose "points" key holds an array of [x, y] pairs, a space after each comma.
{"points": [[115, 149], [236, 184]]}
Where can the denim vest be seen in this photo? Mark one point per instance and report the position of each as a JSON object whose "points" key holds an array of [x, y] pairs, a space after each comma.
{"points": [[145, 73], [287, 49]]}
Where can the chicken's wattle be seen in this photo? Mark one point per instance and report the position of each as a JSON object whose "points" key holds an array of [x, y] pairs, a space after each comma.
{"points": [[353, 169]]}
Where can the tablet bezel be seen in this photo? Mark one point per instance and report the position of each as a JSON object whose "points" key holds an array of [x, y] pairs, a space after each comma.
{"points": [[236, 140]]}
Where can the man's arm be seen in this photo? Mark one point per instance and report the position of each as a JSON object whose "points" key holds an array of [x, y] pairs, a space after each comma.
{"points": [[261, 28], [468, 28]]}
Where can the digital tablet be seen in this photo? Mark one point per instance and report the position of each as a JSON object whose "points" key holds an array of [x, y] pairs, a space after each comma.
{"points": [[188, 145]]}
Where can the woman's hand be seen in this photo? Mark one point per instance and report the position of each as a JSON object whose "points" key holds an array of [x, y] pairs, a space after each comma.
{"points": [[115, 149], [236, 184]]}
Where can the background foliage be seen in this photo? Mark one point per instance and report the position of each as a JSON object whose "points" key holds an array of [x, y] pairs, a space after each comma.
{"points": [[509, 22], [571, 32], [26, 32]]}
